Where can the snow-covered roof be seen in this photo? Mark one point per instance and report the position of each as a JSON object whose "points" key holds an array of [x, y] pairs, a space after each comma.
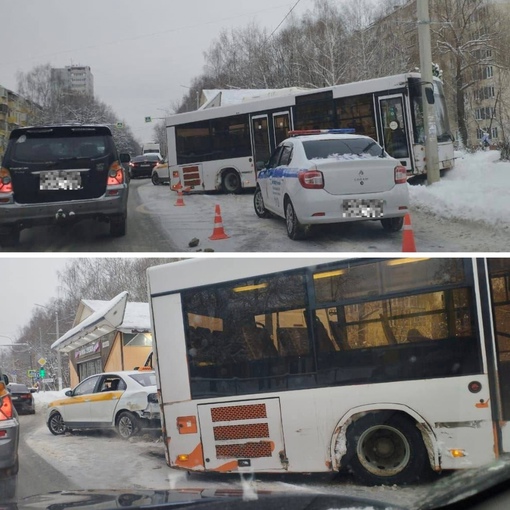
{"points": [[102, 321], [103, 317], [136, 315], [219, 97]]}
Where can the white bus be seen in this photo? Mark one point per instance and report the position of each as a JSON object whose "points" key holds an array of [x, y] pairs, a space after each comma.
{"points": [[222, 148], [388, 367]]}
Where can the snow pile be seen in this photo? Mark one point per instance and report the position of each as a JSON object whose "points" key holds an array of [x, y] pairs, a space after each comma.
{"points": [[476, 189]]}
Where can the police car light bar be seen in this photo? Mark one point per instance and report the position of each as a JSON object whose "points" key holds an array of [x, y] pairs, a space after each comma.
{"points": [[340, 131]]}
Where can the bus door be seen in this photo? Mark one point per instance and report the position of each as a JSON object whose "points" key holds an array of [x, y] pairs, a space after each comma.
{"points": [[394, 129], [242, 435], [499, 273], [281, 127], [261, 142]]}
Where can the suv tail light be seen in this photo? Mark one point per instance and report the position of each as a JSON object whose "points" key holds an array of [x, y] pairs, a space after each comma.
{"points": [[311, 179], [115, 174], [5, 181], [5, 408], [400, 174]]}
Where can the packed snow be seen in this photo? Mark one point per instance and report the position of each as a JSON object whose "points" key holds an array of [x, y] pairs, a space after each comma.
{"points": [[476, 189], [467, 211]]}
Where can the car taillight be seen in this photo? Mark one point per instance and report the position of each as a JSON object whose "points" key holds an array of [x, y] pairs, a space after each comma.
{"points": [[152, 398], [5, 181], [115, 174], [5, 408], [311, 179], [400, 174]]}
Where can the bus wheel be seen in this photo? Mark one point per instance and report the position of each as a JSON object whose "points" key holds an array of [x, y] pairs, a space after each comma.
{"points": [[393, 224], [231, 182], [258, 204], [386, 448], [295, 230]]}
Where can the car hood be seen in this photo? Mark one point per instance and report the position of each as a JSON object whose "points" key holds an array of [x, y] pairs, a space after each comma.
{"points": [[221, 499]]}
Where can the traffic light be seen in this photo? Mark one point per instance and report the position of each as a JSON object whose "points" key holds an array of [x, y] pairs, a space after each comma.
{"points": [[42, 372]]}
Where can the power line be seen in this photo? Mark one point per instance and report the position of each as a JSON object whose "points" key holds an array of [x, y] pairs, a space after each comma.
{"points": [[283, 20]]}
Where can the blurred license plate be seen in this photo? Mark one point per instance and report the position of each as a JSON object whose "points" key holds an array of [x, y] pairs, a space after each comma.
{"points": [[360, 208], [13, 397], [60, 179]]}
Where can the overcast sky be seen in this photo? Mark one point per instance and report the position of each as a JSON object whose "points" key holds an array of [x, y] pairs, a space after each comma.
{"points": [[142, 53], [25, 281]]}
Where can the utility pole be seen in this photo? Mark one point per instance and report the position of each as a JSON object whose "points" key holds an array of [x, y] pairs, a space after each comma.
{"points": [[429, 114]]}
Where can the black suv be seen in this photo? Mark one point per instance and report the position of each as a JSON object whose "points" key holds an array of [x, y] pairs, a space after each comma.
{"points": [[61, 174]]}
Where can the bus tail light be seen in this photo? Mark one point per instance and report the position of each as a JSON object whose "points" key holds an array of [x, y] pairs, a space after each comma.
{"points": [[115, 174], [5, 181], [311, 179], [400, 174]]}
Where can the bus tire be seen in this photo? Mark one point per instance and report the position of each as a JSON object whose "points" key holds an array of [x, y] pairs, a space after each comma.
{"points": [[295, 230], [393, 224], [231, 182], [258, 204], [386, 448]]}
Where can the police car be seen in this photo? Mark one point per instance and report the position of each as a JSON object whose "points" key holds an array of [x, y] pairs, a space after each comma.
{"points": [[331, 176]]}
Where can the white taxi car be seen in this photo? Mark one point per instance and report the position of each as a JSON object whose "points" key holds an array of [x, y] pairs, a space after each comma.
{"points": [[125, 400], [328, 176]]}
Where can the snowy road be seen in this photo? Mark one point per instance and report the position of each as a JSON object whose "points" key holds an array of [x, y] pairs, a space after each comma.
{"points": [[467, 211], [89, 460], [248, 233]]}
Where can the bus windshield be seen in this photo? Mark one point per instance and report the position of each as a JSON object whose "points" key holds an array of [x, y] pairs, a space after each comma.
{"points": [[442, 120]]}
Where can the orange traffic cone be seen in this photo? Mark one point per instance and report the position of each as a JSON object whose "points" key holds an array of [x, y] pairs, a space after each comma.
{"points": [[408, 235], [180, 200], [218, 232]]}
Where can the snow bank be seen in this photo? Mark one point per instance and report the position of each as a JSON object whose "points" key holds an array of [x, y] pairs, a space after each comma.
{"points": [[476, 189]]}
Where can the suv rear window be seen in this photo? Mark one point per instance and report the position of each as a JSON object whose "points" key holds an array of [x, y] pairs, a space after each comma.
{"points": [[42, 147]]}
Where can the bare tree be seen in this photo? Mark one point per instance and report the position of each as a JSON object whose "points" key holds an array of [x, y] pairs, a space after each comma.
{"points": [[470, 35], [59, 105]]}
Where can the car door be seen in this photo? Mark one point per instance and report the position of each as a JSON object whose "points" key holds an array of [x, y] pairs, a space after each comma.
{"points": [[76, 410], [279, 178], [104, 401], [265, 177]]}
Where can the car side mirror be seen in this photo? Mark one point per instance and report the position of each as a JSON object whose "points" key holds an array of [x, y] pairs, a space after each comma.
{"points": [[33, 390], [5, 379], [124, 157], [260, 165], [69, 393]]}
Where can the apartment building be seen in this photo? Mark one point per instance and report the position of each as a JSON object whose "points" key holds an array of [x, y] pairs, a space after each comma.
{"points": [[465, 35], [78, 79], [15, 111]]}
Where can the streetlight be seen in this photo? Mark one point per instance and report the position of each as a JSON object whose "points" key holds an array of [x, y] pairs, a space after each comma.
{"points": [[59, 359]]}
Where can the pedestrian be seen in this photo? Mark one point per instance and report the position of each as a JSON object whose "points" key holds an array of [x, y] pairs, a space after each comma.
{"points": [[37, 386], [486, 141]]}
